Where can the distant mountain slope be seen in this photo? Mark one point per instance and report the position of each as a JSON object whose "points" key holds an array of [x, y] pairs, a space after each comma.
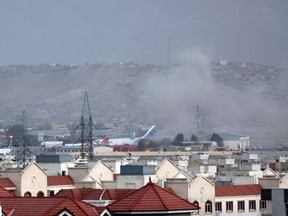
{"points": [[229, 94]]}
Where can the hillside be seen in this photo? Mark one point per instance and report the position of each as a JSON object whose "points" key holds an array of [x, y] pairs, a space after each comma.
{"points": [[224, 95]]}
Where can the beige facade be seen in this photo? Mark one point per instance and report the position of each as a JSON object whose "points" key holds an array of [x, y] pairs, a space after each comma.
{"points": [[77, 173], [91, 176], [101, 172], [166, 169], [271, 179], [200, 190], [32, 181]]}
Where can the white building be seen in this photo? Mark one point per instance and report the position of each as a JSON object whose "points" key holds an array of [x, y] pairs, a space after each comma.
{"points": [[239, 200]]}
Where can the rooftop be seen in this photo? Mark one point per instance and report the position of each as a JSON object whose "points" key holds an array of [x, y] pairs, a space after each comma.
{"points": [[22, 206], [237, 190], [151, 198], [59, 180]]}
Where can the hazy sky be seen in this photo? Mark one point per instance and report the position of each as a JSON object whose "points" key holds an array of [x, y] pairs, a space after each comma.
{"points": [[93, 31]]}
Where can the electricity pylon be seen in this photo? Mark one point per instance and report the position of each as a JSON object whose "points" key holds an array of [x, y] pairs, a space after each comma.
{"points": [[86, 128], [23, 153]]}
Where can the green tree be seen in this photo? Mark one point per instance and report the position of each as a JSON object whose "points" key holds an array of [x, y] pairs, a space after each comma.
{"points": [[194, 138], [179, 138], [218, 139], [141, 145]]}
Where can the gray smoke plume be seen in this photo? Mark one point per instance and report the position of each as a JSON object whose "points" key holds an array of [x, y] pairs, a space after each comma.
{"points": [[173, 97]]}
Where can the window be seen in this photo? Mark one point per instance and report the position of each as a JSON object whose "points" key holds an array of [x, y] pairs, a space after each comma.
{"points": [[218, 206], [27, 194], [40, 194], [208, 207], [266, 194], [252, 205], [50, 193], [196, 203], [263, 204], [229, 206], [241, 206]]}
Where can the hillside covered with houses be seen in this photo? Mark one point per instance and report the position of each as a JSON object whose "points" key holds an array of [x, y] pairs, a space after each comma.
{"points": [[225, 96]]}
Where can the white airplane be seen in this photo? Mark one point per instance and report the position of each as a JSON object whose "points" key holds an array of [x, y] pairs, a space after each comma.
{"points": [[95, 143], [132, 140], [51, 144], [4, 151]]}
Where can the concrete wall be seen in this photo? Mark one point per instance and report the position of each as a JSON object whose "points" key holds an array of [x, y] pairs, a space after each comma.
{"points": [[269, 182], [235, 211], [201, 190], [179, 186], [78, 173], [166, 170], [244, 180], [133, 181], [15, 177], [33, 180], [115, 165], [56, 168], [278, 204], [101, 172]]}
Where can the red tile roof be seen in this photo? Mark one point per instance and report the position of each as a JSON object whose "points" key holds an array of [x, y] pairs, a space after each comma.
{"points": [[6, 193], [59, 180], [151, 198], [23, 206], [93, 194], [116, 194], [6, 183], [237, 190], [7, 211]]}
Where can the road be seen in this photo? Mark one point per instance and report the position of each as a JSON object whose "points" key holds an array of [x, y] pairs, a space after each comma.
{"points": [[162, 153]]}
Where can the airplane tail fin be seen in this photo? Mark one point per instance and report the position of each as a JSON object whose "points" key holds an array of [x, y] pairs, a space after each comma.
{"points": [[149, 133], [105, 140], [10, 145], [133, 134]]}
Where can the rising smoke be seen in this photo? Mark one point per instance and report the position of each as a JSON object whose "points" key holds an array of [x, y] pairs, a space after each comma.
{"points": [[173, 98]]}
